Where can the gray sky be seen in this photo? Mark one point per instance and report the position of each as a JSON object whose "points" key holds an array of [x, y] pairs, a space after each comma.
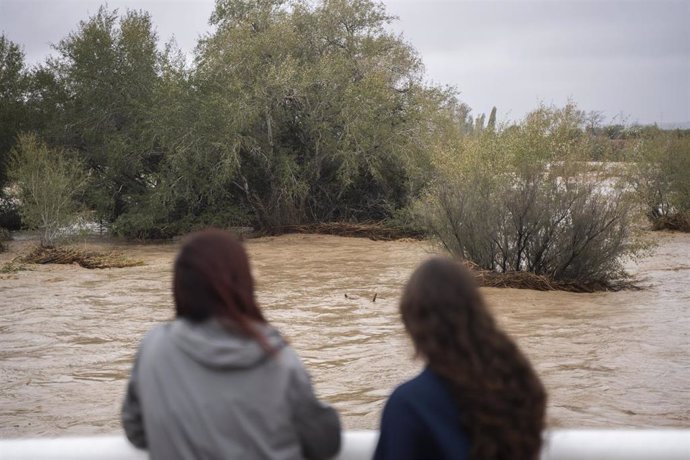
{"points": [[624, 57]]}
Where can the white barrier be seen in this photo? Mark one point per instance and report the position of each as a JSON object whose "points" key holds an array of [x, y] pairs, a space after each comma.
{"points": [[617, 445], [359, 445]]}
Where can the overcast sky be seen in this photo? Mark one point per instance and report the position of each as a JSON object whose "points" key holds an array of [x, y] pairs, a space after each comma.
{"points": [[624, 57]]}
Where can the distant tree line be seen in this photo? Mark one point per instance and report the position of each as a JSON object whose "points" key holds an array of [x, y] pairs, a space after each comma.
{"points": [[293, 112]]}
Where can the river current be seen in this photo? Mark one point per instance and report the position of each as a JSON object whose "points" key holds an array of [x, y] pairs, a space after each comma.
{"points": [[68, 334]]}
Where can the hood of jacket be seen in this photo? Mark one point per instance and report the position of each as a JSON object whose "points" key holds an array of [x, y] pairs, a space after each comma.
{"points": [[216, 345]]}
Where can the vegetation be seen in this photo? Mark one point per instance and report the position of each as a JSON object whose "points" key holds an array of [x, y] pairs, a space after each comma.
{"points": [[13, 86], [661, 178], [295, 115], [49, 183], [526, 200], [13, 113], [13, 266], [86, 259]]}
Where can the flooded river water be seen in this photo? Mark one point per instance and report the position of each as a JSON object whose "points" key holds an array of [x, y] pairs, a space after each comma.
{"points": [[68, 335]]}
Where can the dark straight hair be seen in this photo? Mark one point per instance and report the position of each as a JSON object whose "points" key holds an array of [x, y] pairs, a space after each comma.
{"points": [[500, 398], [212, 279]]}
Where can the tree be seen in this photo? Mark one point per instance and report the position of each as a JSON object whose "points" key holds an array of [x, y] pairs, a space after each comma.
{"points": [[12, 91], [13, 117], [49, 184], [660, 175], [314, 110], [293, 112], [109, 72]]}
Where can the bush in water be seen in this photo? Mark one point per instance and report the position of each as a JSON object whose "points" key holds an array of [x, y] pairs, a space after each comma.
{"points": [[661, 178], [524, 199]]}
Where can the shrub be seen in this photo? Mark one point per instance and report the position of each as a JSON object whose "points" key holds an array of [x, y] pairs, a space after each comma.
{"points": [[524, 200], [156, 219], [661, 178], [48, 183]]}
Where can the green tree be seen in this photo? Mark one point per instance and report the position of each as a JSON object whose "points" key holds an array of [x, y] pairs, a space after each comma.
{"points": [[13, 85], [660, 174], [109, 72], [49, 183], [314, 111], [13, 118], [293, 112]]}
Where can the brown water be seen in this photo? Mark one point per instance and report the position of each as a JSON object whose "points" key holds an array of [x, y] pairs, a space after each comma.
{"points": [[67, 334]]}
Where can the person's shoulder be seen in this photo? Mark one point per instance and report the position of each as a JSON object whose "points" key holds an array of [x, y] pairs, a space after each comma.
{"points": [[422, 382], [155, 334], [423, 389], [287, 357]]}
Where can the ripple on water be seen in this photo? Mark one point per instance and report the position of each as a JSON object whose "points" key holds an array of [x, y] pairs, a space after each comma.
{"points": [[68, 335]]}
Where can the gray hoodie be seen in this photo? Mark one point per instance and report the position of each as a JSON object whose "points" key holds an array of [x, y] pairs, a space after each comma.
{"points": [[199, 391]]}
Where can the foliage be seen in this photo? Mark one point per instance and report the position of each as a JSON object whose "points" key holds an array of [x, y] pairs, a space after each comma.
{"points": [[13, 117], [103, 85], [13, 85], [525, 199], [49, 183], [13, 266], [323, 116], [661, 178], [292, 113]]}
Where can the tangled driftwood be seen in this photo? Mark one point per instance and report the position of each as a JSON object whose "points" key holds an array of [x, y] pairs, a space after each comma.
{"points": [[86, 259], [678, 222]]}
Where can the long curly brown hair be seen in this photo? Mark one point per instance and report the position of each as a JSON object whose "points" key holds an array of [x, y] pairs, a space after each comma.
{"points": [[501, 400]]}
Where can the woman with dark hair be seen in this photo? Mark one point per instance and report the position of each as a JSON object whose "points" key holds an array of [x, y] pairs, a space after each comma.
{"points": [[478, 397], [219, 381]]}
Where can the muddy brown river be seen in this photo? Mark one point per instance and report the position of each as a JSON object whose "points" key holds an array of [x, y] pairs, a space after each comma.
{"points": [[68, 334]]}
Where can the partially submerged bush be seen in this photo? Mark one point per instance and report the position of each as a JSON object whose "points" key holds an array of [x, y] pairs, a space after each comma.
{"points": [[568, 233], [661, 178], [522, 200]]}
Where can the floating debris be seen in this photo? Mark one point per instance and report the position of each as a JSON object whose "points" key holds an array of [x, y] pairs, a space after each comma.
{"points": [[86, 259]]}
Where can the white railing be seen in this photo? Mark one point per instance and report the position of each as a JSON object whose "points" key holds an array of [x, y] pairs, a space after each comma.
{"points": [[359, 445]]}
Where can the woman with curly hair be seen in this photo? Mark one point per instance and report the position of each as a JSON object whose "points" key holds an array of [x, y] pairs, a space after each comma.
{"points": [[478, 397]]}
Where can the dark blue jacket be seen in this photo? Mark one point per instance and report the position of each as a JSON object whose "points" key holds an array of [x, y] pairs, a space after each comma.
{"points": [[421, 421]]}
